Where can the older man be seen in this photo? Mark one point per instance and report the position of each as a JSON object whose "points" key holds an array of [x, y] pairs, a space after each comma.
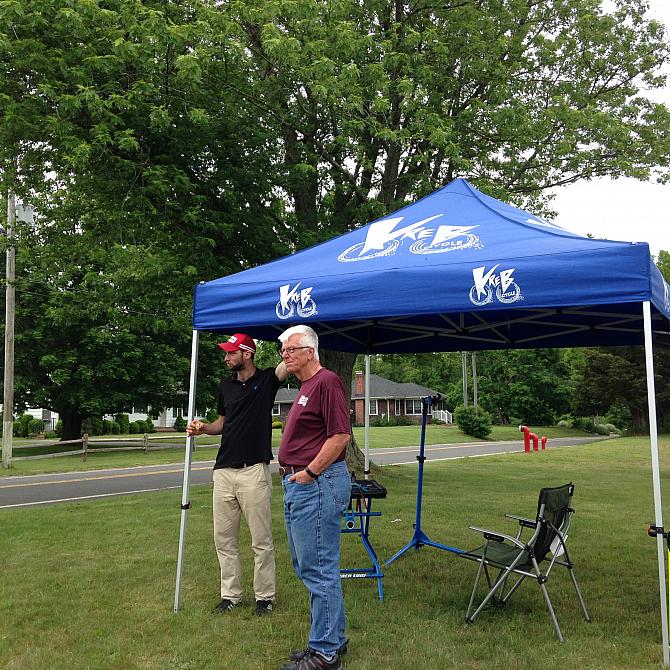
{"points": [[317, 488]]}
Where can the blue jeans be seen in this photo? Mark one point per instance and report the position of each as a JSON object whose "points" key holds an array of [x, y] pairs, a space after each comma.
{"points": [[313, 515]]}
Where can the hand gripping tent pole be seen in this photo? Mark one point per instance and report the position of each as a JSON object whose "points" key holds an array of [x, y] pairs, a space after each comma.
{"points": [[655, 473], [185, 503]]}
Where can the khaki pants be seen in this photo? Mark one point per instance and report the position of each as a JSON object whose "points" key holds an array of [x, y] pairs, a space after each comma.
{"points": [[245, 491]]}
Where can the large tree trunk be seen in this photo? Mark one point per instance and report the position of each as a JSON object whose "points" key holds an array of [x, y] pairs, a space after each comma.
{"points": [[342, 364], [71, 423]]}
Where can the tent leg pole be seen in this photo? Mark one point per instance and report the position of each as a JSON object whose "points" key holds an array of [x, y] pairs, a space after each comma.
{"points": [[656, 477], [185, 503], [366, 472]]}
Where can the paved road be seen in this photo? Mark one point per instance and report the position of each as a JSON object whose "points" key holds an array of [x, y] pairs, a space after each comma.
{"points": [[23, 491]]}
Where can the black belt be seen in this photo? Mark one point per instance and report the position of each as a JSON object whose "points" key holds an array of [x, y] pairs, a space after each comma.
{"points": [[290, 469], [239, 466]]}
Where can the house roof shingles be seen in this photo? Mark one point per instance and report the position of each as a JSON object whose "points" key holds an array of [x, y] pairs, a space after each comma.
{"points": [[385, 388], [379, 388]]}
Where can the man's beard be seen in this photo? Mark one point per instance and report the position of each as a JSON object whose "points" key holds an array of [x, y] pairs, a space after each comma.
{"points": [[235, 367]]}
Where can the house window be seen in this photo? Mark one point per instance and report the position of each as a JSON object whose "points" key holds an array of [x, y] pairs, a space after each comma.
{"points": [[373, 407], [412, 406], [276, 410], [179, 411], [398, 407]]}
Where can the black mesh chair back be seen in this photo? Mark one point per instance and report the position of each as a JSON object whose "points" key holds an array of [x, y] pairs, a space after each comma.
{"points": [[553, 506]]}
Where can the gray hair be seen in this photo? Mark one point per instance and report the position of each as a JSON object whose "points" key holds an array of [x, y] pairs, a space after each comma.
{"points": [[308, 338]]}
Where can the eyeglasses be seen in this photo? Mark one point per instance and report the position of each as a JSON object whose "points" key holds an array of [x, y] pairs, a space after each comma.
{"points": [[291, 350]]}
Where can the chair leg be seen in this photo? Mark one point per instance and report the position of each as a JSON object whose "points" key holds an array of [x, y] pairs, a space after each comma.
{"points": [[474, 591], [579, 595], [498, 583], [552, 614], [582, 604]]}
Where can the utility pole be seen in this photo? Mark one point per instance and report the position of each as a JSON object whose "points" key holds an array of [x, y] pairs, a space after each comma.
{"points": [[474, 379], [464, 364], [10, 310]]}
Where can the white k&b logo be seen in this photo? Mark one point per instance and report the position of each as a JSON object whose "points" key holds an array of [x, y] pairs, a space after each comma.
{"points": [[294, 299], [384, 238], [489, 285]]}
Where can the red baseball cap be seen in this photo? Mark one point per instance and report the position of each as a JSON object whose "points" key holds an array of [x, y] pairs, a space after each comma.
{"points": [[237, 342]]}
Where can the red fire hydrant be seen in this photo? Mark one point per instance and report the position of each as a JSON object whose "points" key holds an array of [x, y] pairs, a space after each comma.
{"points": [[526, 438]]}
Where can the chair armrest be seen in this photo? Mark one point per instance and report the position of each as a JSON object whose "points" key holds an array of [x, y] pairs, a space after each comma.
{"points": [[498, 537], [523, 521]]}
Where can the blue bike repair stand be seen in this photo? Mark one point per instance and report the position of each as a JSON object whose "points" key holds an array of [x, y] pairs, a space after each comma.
{"points": [[420, 539]]}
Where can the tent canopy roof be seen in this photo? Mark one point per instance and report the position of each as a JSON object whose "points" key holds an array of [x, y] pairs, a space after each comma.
{"points": [[457, 270]]}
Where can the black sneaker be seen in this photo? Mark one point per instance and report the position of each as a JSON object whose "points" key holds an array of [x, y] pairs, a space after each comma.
{"points": [[299, 654], [224, 607], [263, 607], [311, 660]]}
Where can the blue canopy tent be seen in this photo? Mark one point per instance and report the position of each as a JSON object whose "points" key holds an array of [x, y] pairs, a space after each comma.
{"points": [[457, 270]]}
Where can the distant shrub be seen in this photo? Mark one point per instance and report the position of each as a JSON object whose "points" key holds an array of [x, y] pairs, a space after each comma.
{"points": [[106, 427], [59, 428], [211, 415], [566, 421], [620, 415], [124, 421], [133, 428], [612, 428], [92, 425], [276, 423], [141, 426], [51, 435], [149, 424], [474, 421], [382, 421], [21, 426], [601, 429], [584, 423], [35, 427], [179, 424]]}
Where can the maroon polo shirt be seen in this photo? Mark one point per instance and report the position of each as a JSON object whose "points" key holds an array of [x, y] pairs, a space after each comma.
{"points": [[319, 411]]}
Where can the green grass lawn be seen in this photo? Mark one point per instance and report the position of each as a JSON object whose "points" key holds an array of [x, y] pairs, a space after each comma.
{"points": [[391, 436], [91, 585]]}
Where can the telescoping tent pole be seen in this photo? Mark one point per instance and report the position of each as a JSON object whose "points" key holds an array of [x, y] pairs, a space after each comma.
{"points": [[185, 503], [656, 476]]}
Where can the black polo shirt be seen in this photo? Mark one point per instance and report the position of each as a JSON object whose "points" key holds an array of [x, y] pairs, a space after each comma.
{"points": [[247, 406]]}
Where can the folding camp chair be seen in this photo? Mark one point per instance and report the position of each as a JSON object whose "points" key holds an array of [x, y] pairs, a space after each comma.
{"points": [[513, 556]]}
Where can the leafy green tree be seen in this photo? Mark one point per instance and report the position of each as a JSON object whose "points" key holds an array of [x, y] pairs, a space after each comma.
{"points": [[663, 263], [529, 384], [435, 370], [607, 378], [210, 137], [378, 103], [617, 374], [148, 173]]}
